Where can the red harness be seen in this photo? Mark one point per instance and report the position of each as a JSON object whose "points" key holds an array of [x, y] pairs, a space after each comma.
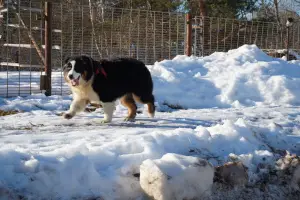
{"points": [[102, 71]]}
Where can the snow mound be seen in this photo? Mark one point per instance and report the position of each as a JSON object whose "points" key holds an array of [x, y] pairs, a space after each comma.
{"points": [[96, 161], [176, 177], [36, 102], [241, 77]]}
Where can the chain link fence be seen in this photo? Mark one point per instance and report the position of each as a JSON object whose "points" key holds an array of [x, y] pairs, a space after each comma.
{"points": [[149, 36]]}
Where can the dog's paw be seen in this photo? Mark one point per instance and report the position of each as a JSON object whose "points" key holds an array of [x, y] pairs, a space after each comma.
{"points": [[105, 121], [68, 115], [129, 119], [151, 115]]}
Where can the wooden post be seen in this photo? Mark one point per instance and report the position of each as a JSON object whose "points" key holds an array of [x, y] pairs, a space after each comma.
{"points": [[48, 46], [188, 47], [289, 25], [287, 43]]}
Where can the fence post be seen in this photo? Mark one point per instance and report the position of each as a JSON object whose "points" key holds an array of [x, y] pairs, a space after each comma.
{"points": [[188, 46], [289, 24], [48, 46]]}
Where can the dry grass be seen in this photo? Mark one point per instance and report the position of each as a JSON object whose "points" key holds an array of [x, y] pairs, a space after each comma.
{"points": [[173, 106], [9, 112]]}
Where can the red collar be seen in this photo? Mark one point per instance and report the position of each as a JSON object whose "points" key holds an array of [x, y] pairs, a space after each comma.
{"points": [[98, 70]]}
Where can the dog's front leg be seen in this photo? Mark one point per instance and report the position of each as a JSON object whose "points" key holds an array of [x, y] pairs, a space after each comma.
{"points": [[108, 108], [77, 106]]}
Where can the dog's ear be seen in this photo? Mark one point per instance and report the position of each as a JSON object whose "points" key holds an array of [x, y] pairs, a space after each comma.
{"points": [[89, 62], [89, 66], [87, 59]]}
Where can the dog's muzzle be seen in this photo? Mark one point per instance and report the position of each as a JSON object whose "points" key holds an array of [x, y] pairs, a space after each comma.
{"points": [[74, 81]]}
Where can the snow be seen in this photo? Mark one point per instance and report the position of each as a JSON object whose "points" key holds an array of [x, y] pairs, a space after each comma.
{"points": [[165, 178], [241, 77], [24, 83], [240, 105]]}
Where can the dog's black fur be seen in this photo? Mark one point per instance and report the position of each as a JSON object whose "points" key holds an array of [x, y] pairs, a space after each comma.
{"points": [[118, 78]]}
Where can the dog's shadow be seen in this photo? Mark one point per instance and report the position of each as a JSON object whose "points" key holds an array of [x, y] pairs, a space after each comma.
{"points": [[164, 123]]}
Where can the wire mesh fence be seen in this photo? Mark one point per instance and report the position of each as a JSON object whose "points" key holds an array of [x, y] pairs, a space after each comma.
{"points": [[149, 36], [18, 72], [222, 34], [146, 35]]}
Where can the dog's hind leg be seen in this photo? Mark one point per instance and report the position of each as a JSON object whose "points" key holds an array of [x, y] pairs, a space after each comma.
{"points": [[128, 101], [77, 106], [146, 99]]}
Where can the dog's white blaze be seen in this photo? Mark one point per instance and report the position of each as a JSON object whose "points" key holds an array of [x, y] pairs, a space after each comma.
{"points": [[72, 71]]}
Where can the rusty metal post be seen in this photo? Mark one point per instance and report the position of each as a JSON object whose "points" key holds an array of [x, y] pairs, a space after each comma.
{"points": [[188, 47], [48, 46]]}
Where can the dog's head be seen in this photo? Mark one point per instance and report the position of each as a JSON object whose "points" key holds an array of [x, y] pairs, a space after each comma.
{"points": [[78, 70]]}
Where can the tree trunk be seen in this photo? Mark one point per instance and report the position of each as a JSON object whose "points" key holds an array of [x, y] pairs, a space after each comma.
{"points": [[277, 13], [202, 7]]}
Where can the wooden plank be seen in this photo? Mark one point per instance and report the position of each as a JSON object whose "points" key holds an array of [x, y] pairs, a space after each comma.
{"points": [[33, 28], [10, 64], [57, 47], [3, 10], [36, 10]]}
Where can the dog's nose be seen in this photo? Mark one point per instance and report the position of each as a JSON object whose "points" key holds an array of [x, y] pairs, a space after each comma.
{"points": [[71, 77]]}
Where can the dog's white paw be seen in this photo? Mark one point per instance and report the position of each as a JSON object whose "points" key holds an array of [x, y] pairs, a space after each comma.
{"points": [[105, 121], [68, 115]]}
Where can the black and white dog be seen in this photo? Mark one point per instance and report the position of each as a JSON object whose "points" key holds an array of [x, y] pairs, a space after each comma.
{"points": [[105, 81]]}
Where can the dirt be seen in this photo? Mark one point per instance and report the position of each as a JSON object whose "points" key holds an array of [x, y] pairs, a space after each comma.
{"points": [[8, 112]]}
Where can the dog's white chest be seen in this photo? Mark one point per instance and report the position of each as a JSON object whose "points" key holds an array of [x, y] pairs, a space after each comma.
{"points": [[93, 96], [86, 93]]}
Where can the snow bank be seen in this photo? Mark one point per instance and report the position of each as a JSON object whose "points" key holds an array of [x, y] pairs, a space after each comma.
{"points": [[36, 102], [176, 177], [245, 76], [59, 161]]}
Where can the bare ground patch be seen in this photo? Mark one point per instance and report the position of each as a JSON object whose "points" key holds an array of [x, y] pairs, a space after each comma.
{"points": [[8, 112]]}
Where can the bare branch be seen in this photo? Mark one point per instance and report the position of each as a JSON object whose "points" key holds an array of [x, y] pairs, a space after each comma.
{"points": [[93, 28]]}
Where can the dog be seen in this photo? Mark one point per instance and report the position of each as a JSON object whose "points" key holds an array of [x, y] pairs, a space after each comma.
{"points": [[106, 81]]}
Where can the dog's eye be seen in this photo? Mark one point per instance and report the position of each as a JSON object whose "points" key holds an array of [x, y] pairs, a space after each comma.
{"points": [[68, 66]]}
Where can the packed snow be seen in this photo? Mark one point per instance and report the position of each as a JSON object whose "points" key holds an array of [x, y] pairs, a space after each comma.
{"points": [[164, 178], [239, 105]]}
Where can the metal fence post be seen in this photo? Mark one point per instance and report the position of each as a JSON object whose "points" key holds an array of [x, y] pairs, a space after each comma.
{"points": [[289, 24], [48, 46], [188, 47], [287, 43]]}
